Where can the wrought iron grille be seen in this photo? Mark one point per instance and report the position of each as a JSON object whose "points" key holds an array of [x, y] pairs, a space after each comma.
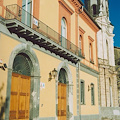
{"points": [[22, 65], [62, 76]]}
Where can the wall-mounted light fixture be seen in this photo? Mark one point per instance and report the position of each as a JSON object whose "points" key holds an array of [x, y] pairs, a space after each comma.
{"points": [[52, 75], [3, 66], [89, 87]]}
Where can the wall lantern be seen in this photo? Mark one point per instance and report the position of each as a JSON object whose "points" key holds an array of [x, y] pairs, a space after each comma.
{"points": [[89, 87], [3, 66], [52, 75]]}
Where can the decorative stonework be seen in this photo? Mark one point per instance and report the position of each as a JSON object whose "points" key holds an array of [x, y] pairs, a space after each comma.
{"points": [[66, 6], [35, 80], [107, 73], [69, 81]]}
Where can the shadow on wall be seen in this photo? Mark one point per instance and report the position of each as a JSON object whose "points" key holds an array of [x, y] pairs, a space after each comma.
{"points": [[3, 104]]}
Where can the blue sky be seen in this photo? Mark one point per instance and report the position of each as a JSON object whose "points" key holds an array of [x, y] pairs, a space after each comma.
{"points": [[114, 13]]}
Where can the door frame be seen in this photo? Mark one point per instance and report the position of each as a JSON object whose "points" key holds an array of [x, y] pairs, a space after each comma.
{"points": [[69, 98], [35, 80]]}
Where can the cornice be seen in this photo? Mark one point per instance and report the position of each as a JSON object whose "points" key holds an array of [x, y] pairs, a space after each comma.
{"points": [[88, 70], [89, 21], [62, 2], [77, 5], [81, 30], [90, 38]]}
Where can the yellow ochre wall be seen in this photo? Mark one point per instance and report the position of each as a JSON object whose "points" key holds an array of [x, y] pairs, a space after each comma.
{"points": [[87, 108], [49, 14], [47, 63]]}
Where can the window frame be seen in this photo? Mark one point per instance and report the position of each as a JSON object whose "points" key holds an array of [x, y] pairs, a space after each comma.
{"points": [[91, 40], [82, 95], [81, 33], [92, 94]]}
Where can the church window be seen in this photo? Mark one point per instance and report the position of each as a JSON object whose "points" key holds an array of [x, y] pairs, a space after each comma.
{"points": [[94, 9]]}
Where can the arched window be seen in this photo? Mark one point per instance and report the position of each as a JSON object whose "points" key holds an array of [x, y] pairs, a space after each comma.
{"points": [[62, 76], [80, 42], [94, 9], [90, 51], [63, 32], [63, 28], [22, 65]]}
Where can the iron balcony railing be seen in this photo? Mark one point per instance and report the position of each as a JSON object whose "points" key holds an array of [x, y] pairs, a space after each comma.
{"points": [[16, 12]]}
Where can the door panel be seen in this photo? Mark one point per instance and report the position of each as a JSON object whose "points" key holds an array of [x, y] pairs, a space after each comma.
{"points": [[20, 97], [61, 101], [14, 97]]}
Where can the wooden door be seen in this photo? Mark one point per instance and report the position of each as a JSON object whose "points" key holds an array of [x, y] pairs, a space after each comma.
{"points": [[62, 101], [20, 97]]}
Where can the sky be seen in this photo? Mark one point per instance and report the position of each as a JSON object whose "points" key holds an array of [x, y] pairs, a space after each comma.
{"points": [[114, 16], [114, 13]]}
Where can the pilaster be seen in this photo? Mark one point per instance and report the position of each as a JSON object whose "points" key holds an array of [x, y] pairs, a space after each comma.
{"points": [[102, 87]]}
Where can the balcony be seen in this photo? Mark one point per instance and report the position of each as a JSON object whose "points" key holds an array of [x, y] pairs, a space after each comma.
{"points": [[25, 25]]}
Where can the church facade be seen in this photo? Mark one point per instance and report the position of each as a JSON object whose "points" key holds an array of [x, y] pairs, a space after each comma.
{"points": [[108, 92]]}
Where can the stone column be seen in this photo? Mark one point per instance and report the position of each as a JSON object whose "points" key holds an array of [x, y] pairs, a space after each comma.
{"points": [[119, 97], [102, 87], [107, 88], [8, 94], [35, 97], [114, 89]]}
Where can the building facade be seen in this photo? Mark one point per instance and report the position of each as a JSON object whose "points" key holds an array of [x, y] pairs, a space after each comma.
{"points": [[108, 95], [117, 66], [50, 49]]}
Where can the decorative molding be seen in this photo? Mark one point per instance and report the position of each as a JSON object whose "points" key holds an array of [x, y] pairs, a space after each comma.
{"points": [[66, 6], [90, 38], [81, 30], [35, 79], [69, 91], [75, 3], [89, 21], [89, 70]]}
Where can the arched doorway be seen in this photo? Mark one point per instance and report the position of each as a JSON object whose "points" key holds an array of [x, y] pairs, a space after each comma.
{"points": [[62, 96], [30, 55], [20, 88]]}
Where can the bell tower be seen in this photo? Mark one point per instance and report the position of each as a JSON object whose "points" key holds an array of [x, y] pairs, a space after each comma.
{"points": [[97, 8], [92, 7]]}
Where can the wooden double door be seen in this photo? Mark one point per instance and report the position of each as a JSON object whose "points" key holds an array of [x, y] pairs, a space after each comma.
{"points": [[62, 113], [20, 97]]}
